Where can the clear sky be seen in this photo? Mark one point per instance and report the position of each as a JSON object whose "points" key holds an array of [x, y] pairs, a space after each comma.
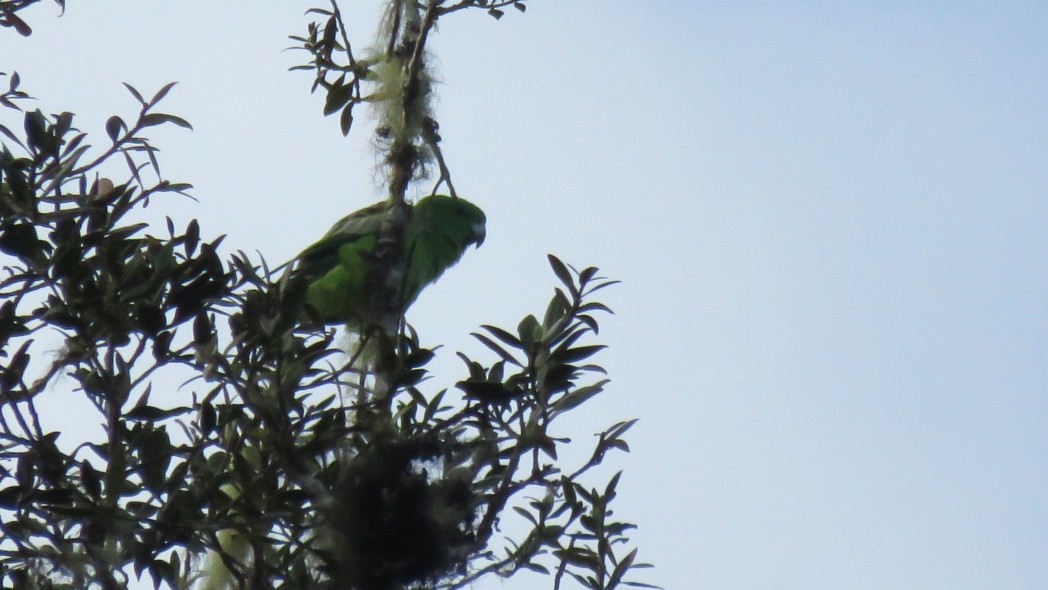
{"points": [[829, 219]]}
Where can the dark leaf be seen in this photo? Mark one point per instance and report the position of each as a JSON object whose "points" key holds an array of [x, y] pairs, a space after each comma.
{"points": [[580, 557], [536, 568], [155, 452], [609, 490], [528, 330], [10, 496], [337, 97], [11, 135], [192, 238], [587, 274], [12, 372], [153, 413], [152, 119], [504, 336], [208, 417], [162, 93], [590, 322], [408, 378], [37, 134], [603, 285], [135, 93], [89, 479], [621, 568], [419, 358], [563, 274], [203, 330], [151, 319], [497, 349], [10, 20], [527, 515], [476, 371], [556, 310], [487, 392], [578, 353], [620, 428], [346, 120], [114, 127], [578, 396], [21, 241]]}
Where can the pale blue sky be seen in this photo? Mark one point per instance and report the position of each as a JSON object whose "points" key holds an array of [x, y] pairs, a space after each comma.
{"points": [[829, 219]]}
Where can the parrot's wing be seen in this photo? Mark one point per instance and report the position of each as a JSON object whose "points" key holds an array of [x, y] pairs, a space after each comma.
{"points": [[363, 221], [322, 256]]}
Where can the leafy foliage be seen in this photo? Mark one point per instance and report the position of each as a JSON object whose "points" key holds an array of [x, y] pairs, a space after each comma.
{"points": [[221, 411], [9, 18], [341, 73], [80, 277]]}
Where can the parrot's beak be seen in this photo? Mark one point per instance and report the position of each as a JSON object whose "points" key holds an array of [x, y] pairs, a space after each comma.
{"points": [[480, 233]]}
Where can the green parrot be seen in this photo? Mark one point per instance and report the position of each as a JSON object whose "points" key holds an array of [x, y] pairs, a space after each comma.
{"points": [[340, 269]]}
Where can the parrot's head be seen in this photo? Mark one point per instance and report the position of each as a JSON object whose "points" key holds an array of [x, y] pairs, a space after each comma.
{"points": [[457, 219]]}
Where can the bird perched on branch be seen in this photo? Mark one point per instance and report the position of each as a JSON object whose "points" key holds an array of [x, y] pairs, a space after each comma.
{"points": [[350, 270]]}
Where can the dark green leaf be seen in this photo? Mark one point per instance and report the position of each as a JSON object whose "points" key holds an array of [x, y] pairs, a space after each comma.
{"points": [[408, 378], [620, 428], [10, 20], [89, 479], [155, 452], [36, 131], [486, 391], [419, 358], [135, 93], [497, 349], [192, 238], [504, 336], [621, 568], [581, 557], [563, 274], [595, 306], [578, 396], [151, 119], [527, 515], [162, 93], [114, 127], [10, 496], [12, 372], [578, 353], [346, 120], [337, 97], [20, 240], [609, 490], [528, 331]]}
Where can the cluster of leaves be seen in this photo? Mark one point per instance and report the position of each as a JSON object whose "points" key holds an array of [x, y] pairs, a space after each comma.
{"points": [[515, 401], [494, 8], [9, 18], [336, 69], [340, 73], [88, 296]]}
